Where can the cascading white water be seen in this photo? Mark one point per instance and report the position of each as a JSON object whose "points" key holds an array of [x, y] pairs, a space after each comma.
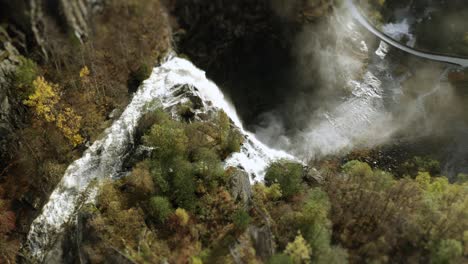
{"points": [[104, 158]]}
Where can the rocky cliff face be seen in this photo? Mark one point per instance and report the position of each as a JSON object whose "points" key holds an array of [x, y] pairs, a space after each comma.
{"points": [[10, 114], [245, 44], [116, 40], [25, 30]]}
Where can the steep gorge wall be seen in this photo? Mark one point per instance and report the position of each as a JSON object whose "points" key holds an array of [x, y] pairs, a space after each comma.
{"points": [[118, 42], [246, 46]]}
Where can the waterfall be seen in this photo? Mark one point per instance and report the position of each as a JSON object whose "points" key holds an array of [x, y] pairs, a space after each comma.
{"points": [[104, 158]]}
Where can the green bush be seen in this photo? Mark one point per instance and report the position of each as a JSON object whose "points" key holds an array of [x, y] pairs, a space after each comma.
{"points": [[287, 174], [314, 222], [208, 167], [280, 259], [183, 185], [169, 141], [230, 139], [233, 143], [462, 178], [25, 74], [421, 164], [447, 251], [358, 169], [160, 208], [241, 220], [161, 184]]}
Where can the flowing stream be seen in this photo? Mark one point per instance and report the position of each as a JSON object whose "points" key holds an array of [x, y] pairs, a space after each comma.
{"points": [[105, 157]]}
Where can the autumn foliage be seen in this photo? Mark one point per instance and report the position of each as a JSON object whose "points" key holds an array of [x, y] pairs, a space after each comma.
{"points": [[45, 100], [8, 248]]}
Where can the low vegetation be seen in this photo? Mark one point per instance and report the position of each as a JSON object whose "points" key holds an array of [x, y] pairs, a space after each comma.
{"points": [[177, 206], [63, 102]]}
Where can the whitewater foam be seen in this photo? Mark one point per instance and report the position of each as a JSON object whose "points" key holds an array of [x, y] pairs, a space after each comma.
{"points": [[104, 158]]}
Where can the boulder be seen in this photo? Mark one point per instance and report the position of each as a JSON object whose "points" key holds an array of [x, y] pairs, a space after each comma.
{"points": [[239, 186], [312, 176], [263, 241]]}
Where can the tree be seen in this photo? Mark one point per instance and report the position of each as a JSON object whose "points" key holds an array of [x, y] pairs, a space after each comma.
{"points": [[160, 208], [298, 250], [230, 139], [241, 220], [24, 77], [69, 123], [169, 141], [182, 216], [314, 222], [446, 252], [44, 99], [287, 174], [183, 185], [141, 180], [8, 248]]}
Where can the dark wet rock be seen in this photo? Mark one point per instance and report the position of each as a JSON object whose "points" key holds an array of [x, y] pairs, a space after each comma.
{"points": [[263, 241], [255, 240], [77, 14], [312, 176], [239, 186], [9, 112], [246, 46], [77, 243], [32, 20]]}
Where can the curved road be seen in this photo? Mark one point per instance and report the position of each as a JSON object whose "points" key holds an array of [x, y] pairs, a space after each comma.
{"points": [[431, 56]]}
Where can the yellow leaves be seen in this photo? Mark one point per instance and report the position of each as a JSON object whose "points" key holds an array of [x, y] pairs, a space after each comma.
{"points": [[84, 72], [298, 250], [439, 185], [69, 124], [45, 102], [271, 193], [196, 260], [423, 179], [44, 98], [182, 215]]}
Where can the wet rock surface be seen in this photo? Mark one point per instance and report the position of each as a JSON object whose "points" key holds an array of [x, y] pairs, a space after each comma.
{"points": [[239, 185], [10, 112], [246, 46]]}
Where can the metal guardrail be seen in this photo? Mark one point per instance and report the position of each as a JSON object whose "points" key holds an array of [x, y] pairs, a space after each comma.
{"points": [[426, 55]]}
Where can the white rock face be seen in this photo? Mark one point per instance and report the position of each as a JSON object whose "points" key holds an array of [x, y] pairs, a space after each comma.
{"points": [[104, 158]]}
